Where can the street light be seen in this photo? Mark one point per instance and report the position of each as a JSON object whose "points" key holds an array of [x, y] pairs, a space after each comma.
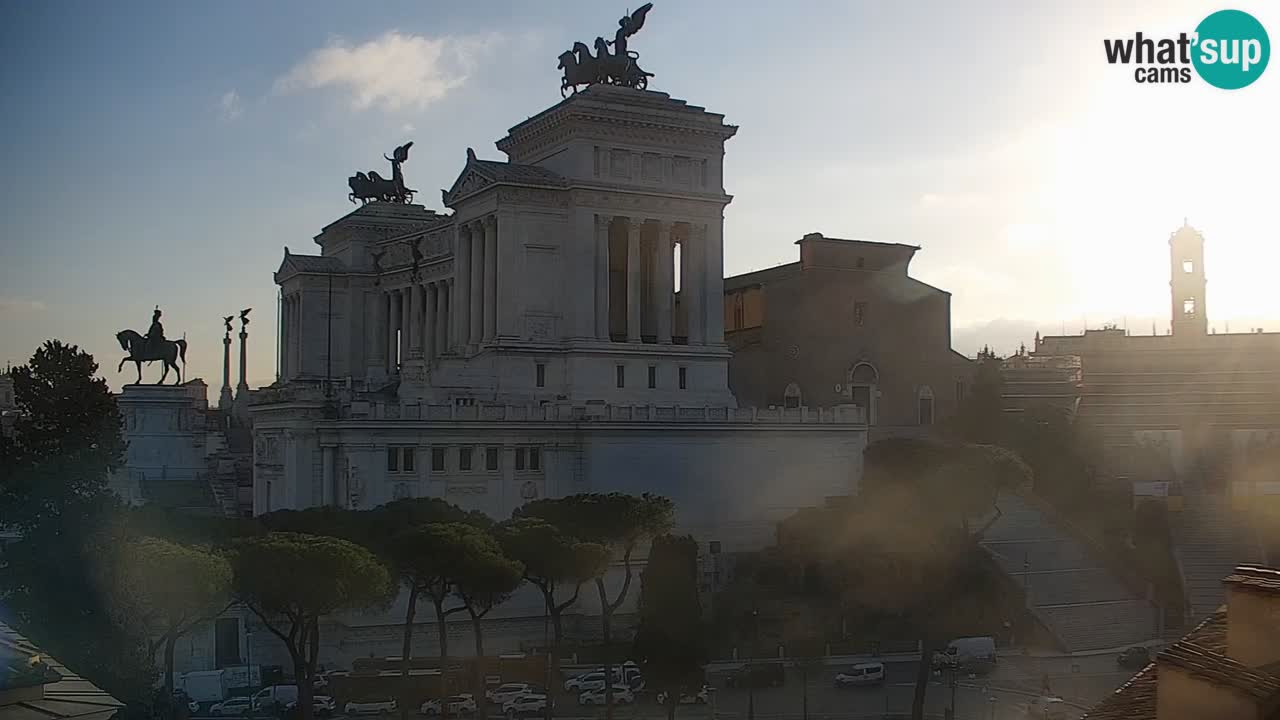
{"points": [[751, 651], [248, 649]]}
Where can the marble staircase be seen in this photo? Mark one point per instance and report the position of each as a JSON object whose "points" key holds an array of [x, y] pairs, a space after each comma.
{"points": [[1083, 604], [1210, 540]]}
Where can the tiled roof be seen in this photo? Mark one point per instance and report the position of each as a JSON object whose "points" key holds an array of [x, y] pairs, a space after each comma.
{"points": [[1136, 699], [316, 263], [65, 696], [519, 174], [1255, 577], [1220, 669]]}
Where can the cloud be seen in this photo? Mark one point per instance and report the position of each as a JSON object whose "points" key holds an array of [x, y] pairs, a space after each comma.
{"points": [[229, 106], [391, 72], [20, 305], [407, 127]]}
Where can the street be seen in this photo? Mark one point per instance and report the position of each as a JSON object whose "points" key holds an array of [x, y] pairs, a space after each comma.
{"points": [[1000, 695]]}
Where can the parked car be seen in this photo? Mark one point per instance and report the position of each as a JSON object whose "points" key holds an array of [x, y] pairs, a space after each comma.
{"points": [[231, 707], [1135, 658], [593, 680], [506, 692], [454, 705], [766, 674], [321, 706], [622, 695], [372, 706], [1045, 707], [861, 674], [525, 705], [702, 697]]}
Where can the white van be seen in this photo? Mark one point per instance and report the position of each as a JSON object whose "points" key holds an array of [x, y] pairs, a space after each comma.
{"points": [[966, 651], [276, 697], [861, 674]]}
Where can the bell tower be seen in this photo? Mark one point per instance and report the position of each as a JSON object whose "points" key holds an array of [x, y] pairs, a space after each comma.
{"points": [[1187, 282]]}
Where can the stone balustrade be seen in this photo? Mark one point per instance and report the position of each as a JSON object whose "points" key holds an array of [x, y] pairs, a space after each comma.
{"points": [[604, 413]]}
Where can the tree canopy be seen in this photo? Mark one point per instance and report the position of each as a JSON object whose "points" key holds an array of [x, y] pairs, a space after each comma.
{"points": [[290, 581], [166, 588], [671, 641]]}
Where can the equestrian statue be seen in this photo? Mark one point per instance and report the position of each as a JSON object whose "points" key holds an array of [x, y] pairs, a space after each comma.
{"points": [[151, 347], [617, 68], [372, 187]]}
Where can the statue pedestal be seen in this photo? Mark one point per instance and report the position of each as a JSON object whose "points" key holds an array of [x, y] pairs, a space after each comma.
{"points": [[165, 426]]}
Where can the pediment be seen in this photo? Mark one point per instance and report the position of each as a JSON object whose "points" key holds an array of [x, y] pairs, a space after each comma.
{"points": [[469, 182]]}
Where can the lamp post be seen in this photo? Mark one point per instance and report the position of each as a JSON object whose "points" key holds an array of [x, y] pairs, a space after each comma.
{"points": [[248, 651], [749, 675]]}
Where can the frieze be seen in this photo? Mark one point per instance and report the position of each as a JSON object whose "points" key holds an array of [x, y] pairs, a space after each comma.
{"points": [[626, 202], [534, 196], [466, 490]]}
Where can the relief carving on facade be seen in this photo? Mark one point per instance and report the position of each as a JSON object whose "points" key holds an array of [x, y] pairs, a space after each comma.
{"points": [[452, 489], [534, 196], [539, 327], [266, 450]]}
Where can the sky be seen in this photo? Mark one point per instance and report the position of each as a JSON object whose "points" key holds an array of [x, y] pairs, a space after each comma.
{"points": [[167, 153]]}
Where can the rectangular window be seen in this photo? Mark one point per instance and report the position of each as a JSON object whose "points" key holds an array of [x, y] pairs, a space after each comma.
{"points": [[1189, 306], [653, 377], [437, 459], [622, 376], [1188, 266], [535, 458], [715, 547], [684, 378], [859, 313], [959, 390], [491, 459], [540, 370], [393, 459], [519, 458], [407, 459], [464, 458]]}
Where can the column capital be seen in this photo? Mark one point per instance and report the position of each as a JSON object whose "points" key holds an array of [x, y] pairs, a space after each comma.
{"points": [[665, 225], [489, 221], [603, 221]]}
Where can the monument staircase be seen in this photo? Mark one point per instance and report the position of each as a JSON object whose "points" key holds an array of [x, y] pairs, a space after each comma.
{"points": [[1210, 540], [1083, 603]]}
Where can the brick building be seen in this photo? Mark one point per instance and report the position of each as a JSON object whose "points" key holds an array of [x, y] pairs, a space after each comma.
{"points": [[846, 324]]}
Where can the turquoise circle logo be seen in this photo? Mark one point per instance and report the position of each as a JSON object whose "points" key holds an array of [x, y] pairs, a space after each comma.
{"points": [[1232, 49]]}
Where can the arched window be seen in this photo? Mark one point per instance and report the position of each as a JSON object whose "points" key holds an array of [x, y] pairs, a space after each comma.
{"points": [[791, 396], [864, 381], [925, 401]]}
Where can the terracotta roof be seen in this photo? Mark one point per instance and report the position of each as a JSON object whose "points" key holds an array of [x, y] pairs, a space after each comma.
{"points": [[1220, 669], [65, 694], [1136, 699], [1255, 577]]}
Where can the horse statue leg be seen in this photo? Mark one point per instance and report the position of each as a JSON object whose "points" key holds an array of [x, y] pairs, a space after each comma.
{"points": [[139, 364], [165, 365]]}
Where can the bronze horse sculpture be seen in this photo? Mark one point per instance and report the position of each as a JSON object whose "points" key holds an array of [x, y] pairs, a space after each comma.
{"points": [[372, 186], [169, 352]]}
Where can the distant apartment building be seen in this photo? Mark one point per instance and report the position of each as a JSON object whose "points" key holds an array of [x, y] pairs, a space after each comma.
{"points": [[845, 325]]}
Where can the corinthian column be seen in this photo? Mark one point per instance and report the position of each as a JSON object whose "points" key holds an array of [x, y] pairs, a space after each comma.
{"points": [[663, 286], [476, 297], [633, 280], [602, 276], [461, 300], [490, 297]]}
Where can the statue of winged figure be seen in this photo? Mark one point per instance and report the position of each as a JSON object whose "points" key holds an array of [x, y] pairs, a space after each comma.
{"points": [[617, 68]]}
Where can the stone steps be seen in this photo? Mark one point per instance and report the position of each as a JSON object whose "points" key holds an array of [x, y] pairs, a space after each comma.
{"points": [[1082, 603]]}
